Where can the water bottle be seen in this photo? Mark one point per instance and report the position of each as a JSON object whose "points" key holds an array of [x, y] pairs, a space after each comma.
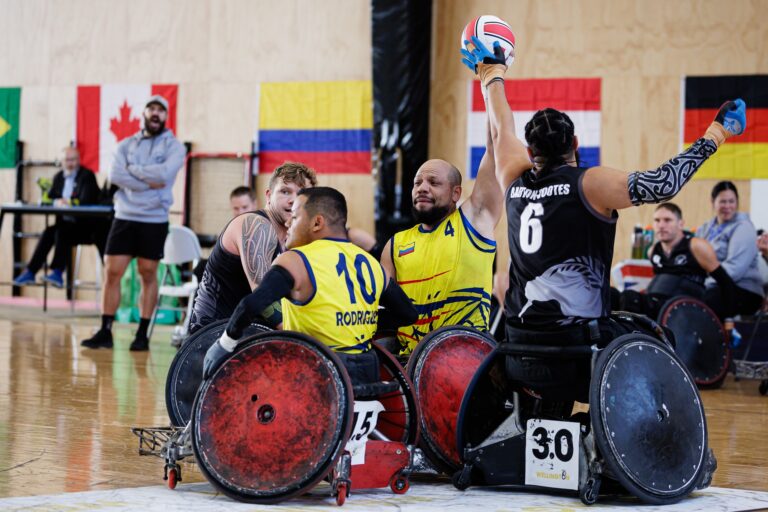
{"points": [[647, 240], [637, 242]]}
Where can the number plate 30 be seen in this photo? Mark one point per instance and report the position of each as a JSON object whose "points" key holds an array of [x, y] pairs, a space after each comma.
{"points": [[552, 454]]}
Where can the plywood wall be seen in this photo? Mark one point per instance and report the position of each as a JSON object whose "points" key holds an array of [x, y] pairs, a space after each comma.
{"points": [[217, 51], [220, 51], [640, 50]]}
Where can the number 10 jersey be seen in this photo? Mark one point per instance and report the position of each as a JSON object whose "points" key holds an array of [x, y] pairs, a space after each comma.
{"points": [[343, 311], [560, 251]]}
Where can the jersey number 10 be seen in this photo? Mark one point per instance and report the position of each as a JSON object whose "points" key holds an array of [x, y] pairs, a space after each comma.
{"points": [[360, 261]]}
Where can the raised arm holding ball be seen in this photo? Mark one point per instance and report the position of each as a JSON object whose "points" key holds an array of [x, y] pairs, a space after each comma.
{"points": [[562, 217]]}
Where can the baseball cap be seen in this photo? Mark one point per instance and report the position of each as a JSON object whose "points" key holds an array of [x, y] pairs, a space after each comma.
{"points": [[159, 100]]}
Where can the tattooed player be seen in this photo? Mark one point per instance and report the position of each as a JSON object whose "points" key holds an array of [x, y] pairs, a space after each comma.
{"points": [[245, 249], [562, 217]]}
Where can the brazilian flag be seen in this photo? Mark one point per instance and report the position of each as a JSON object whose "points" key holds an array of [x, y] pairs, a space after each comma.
{"points": [[10, 98]]}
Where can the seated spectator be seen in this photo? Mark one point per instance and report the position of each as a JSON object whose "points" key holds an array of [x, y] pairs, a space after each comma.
{"points": [[72, 185], [732, 236], [680, 262], [242, 200]]}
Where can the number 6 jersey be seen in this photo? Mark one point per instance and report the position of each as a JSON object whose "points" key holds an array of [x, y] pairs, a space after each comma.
{"points": [[560, 251]]}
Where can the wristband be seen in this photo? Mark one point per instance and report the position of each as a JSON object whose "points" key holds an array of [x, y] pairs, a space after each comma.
{"points": [[227, 343]]}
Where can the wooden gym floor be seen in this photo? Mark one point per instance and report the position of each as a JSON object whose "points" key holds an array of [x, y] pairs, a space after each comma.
{"points": [[66, 412]]}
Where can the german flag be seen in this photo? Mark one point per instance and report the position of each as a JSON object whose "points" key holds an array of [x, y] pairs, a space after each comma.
{"points": [[742, 157]]}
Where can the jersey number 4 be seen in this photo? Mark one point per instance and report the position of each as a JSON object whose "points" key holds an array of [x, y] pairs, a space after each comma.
{"points": [[530, 228], [360, 262]]}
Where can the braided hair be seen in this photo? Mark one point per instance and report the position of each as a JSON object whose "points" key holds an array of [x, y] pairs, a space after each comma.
{"points": [[549, 135]]}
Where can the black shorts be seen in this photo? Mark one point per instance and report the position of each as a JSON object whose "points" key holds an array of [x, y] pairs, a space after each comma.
{"points": [[138, 239]]}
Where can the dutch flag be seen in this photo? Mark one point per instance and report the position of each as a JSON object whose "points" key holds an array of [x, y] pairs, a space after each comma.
{"points": [[577, 97]]}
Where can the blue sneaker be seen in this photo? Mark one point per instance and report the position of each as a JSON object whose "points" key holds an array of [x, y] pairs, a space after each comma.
{"points": [[25, 277], [55, 278]]}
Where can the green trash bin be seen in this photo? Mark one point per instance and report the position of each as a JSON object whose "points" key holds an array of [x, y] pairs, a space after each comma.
{"points": [[130, 286]]}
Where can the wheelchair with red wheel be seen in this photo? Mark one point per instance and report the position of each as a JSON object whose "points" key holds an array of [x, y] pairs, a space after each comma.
{"points": [[645, 432], [441, 367], [280, 415]]}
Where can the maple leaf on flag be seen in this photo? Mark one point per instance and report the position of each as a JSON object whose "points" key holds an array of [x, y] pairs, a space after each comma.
{"points": [[124, 126]]}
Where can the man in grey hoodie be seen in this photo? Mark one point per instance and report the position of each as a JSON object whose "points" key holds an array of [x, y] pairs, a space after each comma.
{"points": [[145, 169]]}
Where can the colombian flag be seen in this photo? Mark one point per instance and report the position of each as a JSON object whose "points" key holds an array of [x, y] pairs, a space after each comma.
{"points": [[577, 97], [742, 157], [324, 125]]}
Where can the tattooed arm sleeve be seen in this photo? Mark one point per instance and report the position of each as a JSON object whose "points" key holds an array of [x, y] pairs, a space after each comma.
{"points": [[259, 244], [664, 182]]}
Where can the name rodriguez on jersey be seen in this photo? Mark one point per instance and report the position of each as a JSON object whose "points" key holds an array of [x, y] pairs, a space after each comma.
{"points": [[562, 189], [356, 318]]}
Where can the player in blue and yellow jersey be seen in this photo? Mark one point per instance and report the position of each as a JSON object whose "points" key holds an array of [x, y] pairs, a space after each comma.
{"points": [[445, 263], [328, 287]]}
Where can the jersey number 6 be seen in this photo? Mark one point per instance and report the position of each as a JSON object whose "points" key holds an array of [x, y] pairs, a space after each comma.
{"points": [[530, 228]]}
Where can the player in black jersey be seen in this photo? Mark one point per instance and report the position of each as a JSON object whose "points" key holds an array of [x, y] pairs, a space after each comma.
{"points": [[680, 262], [562, 218], [246, 247], [250, 242]]}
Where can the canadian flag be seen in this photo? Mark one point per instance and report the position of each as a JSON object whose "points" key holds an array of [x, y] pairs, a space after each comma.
{"points": [[107, 114]]}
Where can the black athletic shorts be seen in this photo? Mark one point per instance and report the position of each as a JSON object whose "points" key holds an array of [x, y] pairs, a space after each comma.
{"points": [[138, 239]]}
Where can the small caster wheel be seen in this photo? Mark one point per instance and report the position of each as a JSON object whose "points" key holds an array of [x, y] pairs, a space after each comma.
{"points": [[173, 478], [462, 478], [591, 490], [399, 484], [342, 491]]}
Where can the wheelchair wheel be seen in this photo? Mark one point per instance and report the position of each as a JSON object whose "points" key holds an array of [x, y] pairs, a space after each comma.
{"points": [[273, 419], [648, 419], [441, 367], [701, 342], [483, 406], [186, 371], [399, 421]]}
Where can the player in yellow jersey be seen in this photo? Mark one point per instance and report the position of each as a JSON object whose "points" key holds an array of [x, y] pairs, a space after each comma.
{"points": [[445, 263], [328, 287]]}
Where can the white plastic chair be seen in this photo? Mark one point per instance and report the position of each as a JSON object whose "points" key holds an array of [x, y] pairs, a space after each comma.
{"points": [[181, 246]]}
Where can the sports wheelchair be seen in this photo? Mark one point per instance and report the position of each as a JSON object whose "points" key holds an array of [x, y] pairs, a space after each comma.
{"points": [[701, 340], [441, 368], [645, 431], [280, 415]]}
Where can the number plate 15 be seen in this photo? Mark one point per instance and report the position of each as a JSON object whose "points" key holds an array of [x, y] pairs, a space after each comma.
{"points": [[366, 416], [552, 454]]}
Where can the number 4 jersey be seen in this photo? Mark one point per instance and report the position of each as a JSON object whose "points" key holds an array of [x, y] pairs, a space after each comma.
{"points": [[343, 311], [560, 251], [447, 273]]}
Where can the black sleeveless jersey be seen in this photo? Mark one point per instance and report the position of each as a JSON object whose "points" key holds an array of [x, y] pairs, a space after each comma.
{"points": [[223, 286], [560, 252], [677, 273]]}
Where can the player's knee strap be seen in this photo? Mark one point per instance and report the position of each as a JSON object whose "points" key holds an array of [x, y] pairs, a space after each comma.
{"points": [[664, 182]]}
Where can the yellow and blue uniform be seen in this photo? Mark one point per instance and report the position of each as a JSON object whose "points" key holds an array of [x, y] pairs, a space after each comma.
{"points": [[448, 274], [343, 310]]}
